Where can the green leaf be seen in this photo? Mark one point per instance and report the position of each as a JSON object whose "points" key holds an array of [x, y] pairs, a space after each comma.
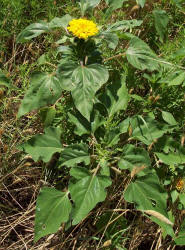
{"points": [[116, 97], [82, 126], [141, 3], [33, 30], [42, 60], [112, 136], [167, 229], [87, 80], [147, 193], [179, 78], [97, 121], [161, 22], [74, 154], [53, 207], [44, 89], [115, 4], [141, 56], [172, 158], [36, 29], [182, 198], [134, 158], [86, 5], [168, 117], [86, 193], [47, 115], [105, 168], [110, 38], [147, 129], [43, 146], [180, 239], [124, 25], [58, 22], [79, 172], [64, 74]]}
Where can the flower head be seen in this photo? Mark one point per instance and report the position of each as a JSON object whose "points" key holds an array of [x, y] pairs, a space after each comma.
{"points": [[82, 28], [180, 184]]}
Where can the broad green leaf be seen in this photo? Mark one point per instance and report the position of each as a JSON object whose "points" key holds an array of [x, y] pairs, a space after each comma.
{"points": [[167, 144], [161, 22], [116, 97], [44, 89], [33, 30], [86, 193], [180, 53], [179, 79], [124, 25], [167, 229], [47, 115], [58, 22], [133, 158], [82, 126], [111, 39], [53, 207], [43, 146], [112, 137], [168, 117], [74, 154], [174, 195], [88, 5], [97, 121], [180, 239], [124, 125], [79, 172], [141, 56], [172, 158], [36, 29], [174, 78], [64, 74], [42, 60], [115, 4], [141, 3], [87, 80], [182, 198], [147, 193], [147, 129], [105, 168]]}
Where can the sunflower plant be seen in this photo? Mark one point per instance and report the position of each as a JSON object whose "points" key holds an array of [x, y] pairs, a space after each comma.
{"points": [[106, 146]]}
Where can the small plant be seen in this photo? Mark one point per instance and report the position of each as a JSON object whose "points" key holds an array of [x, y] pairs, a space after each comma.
{"points": [[110, 140]]}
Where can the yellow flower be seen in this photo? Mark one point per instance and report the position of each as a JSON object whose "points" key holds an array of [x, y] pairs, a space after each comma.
{"points": [[180, 184], [82, 28]]}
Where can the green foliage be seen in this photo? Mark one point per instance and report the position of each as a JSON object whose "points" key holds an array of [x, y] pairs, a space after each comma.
{"points": [[87, 81], [147, 193], [36, 29], [86, 5], [116, 97], [86, 192], [115, 4], [168, 117], [113, 103], [53, 208], [180, 239], [44, 89], [161, 22], [42, 147], [134, 159], [141, 2], [74, 154], [141, 56]]}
